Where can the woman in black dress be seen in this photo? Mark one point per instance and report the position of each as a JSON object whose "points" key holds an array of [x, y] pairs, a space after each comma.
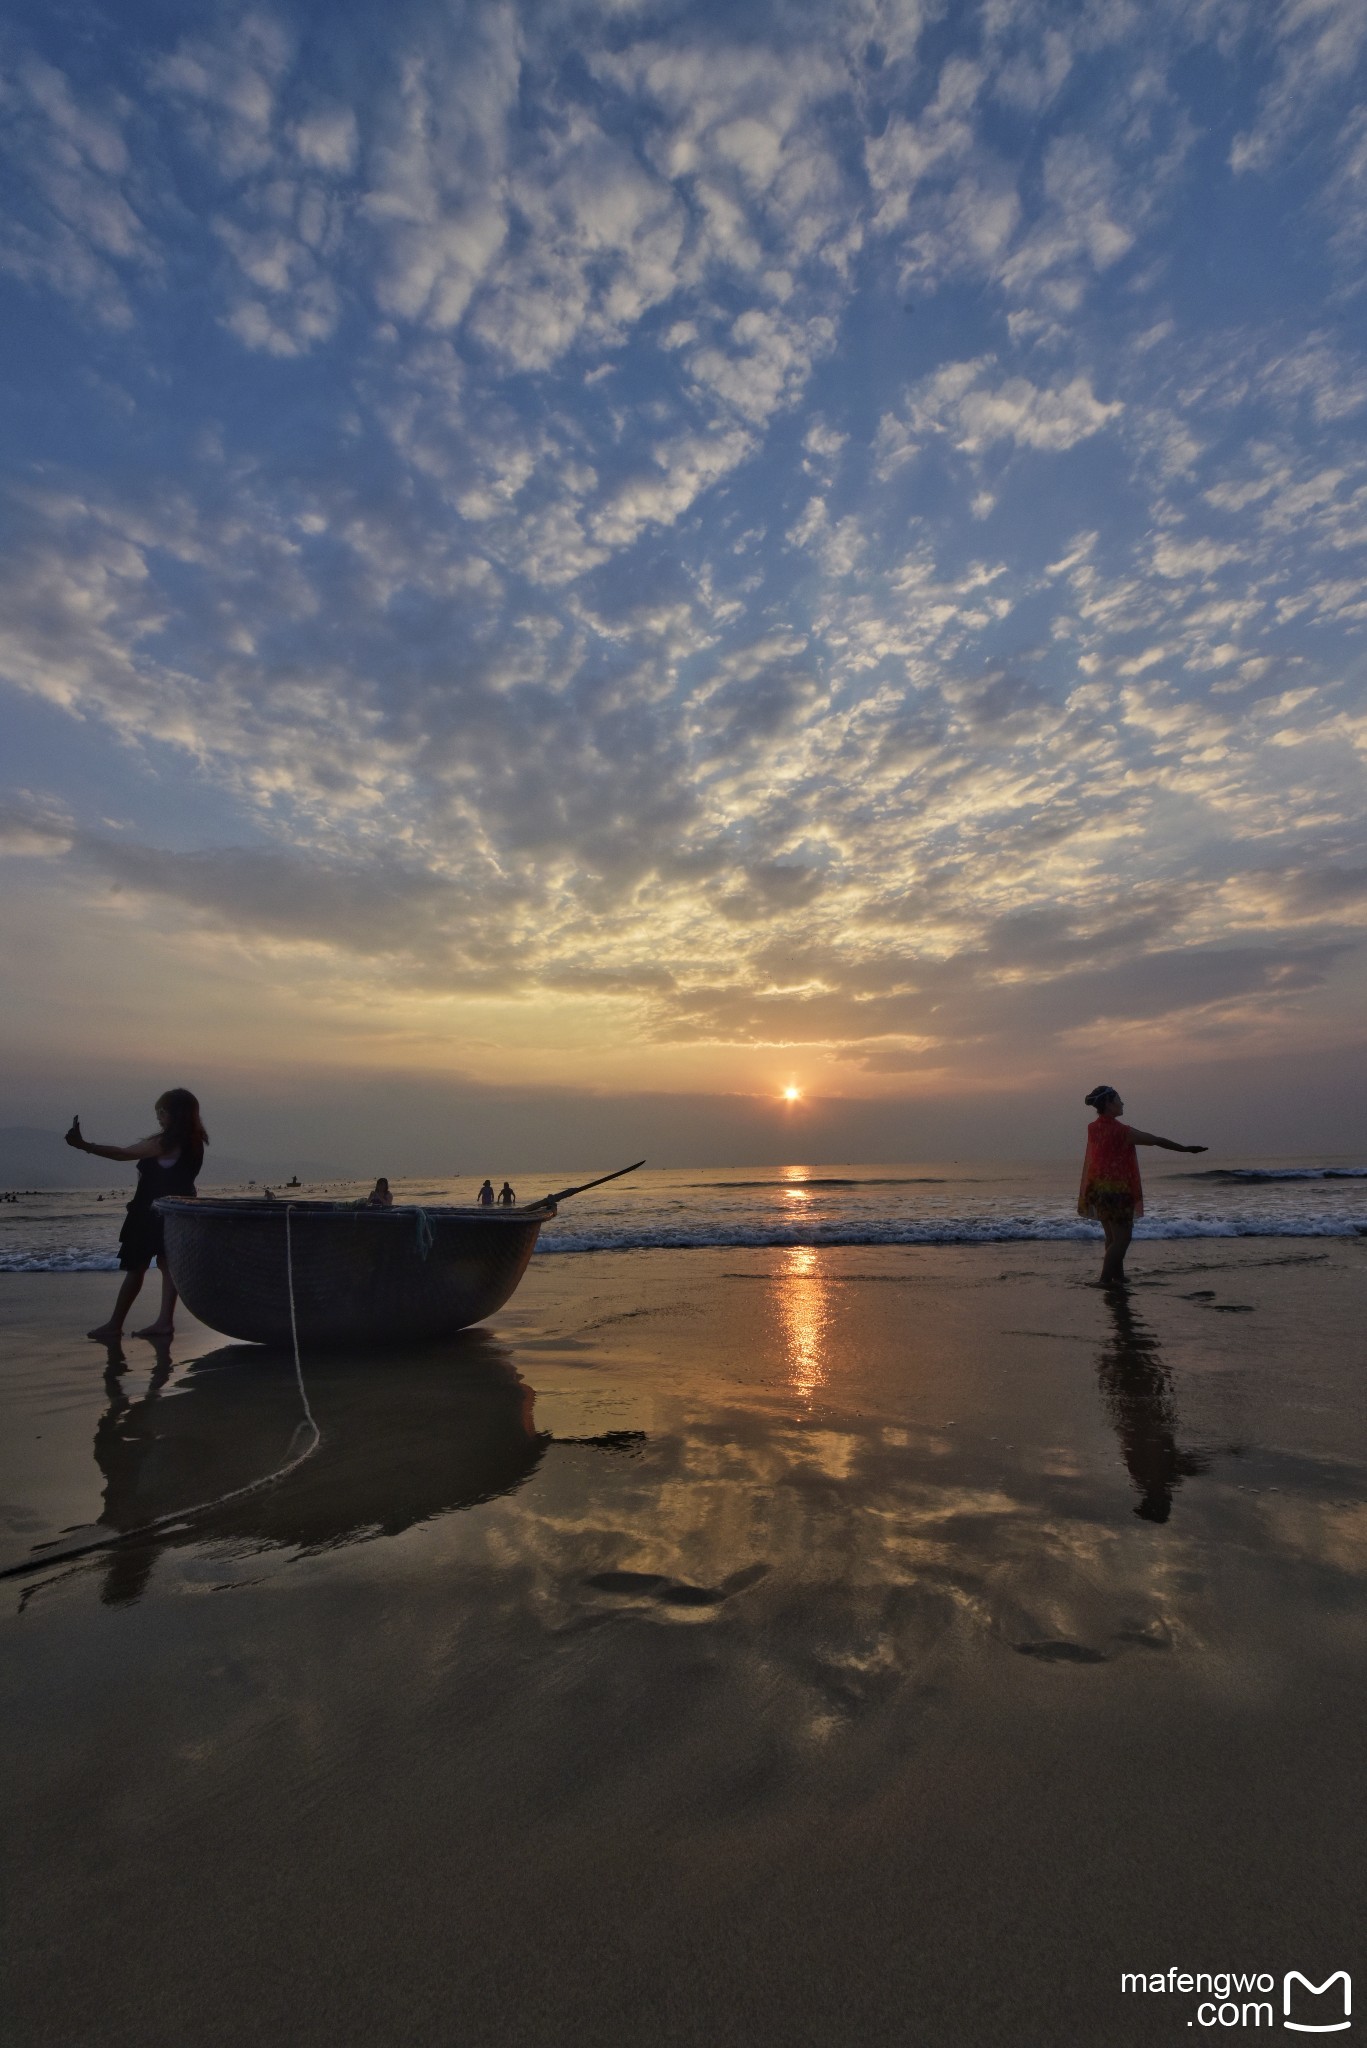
{"points": [[168, 1164]]}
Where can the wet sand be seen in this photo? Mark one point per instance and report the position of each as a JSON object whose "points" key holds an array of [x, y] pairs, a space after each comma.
{"points": [[778, 1647]]}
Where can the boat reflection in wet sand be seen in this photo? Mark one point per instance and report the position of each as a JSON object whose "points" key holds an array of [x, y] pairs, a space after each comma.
{"points": [[436, 1431], [358, 1275]]}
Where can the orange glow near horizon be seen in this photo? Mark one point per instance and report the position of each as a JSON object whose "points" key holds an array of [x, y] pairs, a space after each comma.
{"points": [[792, 1094]]}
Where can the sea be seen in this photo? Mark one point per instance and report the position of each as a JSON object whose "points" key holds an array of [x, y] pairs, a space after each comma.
{"points": [[687, 1208]]}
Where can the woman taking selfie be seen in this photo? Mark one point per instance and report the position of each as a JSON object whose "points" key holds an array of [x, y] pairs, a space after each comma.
{"points": [[168, 1164]]}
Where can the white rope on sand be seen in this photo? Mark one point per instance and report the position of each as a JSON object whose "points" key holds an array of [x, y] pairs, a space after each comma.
{"points": [[183, 1516], [298, 1369]]}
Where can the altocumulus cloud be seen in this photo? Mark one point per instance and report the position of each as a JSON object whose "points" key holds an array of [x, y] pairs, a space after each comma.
{"points": [[814, 529]]}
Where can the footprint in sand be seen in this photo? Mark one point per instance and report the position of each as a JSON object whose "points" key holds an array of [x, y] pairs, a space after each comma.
{"points": [[675, 1592], [1061, 1653], [626, 1582], [1059, 1650]]}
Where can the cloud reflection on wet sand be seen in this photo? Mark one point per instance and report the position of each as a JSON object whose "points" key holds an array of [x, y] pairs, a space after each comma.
{"points": [[681, 1594]]}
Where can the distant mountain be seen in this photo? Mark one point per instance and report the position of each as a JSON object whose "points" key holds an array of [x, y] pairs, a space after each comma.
{"points": [[32, 1158]]}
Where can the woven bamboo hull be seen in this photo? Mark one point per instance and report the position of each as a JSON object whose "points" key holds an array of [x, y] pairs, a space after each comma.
{"points": [[361, 1276]]}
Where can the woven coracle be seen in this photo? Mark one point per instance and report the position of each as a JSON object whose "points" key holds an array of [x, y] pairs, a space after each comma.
{"points": [[361, 1276]]}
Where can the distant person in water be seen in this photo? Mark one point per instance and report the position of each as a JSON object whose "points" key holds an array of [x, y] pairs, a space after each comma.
{"points": [[506, 1198], [168, 1164], [379, 1196], [485, 1197], [1111, 1192]]}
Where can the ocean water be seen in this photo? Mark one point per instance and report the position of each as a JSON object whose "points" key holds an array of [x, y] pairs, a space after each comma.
{"points": [[694, 1207]]}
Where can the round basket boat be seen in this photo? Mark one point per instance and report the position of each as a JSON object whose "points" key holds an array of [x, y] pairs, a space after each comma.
{"points": [[361, 1276]]}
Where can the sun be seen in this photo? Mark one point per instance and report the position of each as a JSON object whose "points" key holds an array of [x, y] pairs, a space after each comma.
{"points": [[791, 1094]]}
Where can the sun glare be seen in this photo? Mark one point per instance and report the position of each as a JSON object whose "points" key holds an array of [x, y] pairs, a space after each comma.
{"points": [[792, 1094]]}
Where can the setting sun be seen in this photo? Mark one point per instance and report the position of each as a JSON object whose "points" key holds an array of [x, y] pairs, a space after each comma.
{"points": [[792, 1094]]}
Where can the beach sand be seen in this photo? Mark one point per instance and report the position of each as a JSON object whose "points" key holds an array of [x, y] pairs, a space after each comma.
{"points": [[771, 1647]]}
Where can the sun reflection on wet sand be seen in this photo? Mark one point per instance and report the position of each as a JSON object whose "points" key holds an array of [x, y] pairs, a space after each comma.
{"points": [[804, 1312]]}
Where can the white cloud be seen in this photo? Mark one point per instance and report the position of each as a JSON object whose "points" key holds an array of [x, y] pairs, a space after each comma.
{"points": [[72, 224], [281, 220], [688, 466], [227, 91], [974, 408], [552, 547], [1345, 195], [1032, 78], [823, 440], [766, 365], [1078, 230], [292, 302], [944, 188], [907, 151], [31, 830], [601, 241], [328, 140], [1176, 558], [438, 195], [1320, 373], [839, 545], [733, 126], [1319, 44]]}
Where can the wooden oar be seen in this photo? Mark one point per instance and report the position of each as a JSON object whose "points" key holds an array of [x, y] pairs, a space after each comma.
{"points": [[549, 1201]]}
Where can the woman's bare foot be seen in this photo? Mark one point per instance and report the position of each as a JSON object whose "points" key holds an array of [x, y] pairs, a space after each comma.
{"points": [[108, 1333], [157, 1332]]}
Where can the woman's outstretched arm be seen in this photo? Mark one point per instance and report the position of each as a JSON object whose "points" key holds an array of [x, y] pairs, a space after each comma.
{"points": [[146, 1148], [1168, 1144]]}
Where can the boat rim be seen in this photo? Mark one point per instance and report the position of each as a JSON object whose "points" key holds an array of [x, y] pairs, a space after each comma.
{"points": [[260, 1205]]}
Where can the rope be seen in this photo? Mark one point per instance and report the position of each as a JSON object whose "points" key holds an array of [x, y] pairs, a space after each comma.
{"points": [[183, 1516], [294, 1336], [427, 1237]]}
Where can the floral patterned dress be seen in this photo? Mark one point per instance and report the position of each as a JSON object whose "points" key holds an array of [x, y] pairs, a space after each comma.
{"points": [[1111, 1186]]}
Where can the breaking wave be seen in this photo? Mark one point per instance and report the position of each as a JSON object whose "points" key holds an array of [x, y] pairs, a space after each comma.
{"points": [[942, 1231], [1248, 1176], [64, 1259]]}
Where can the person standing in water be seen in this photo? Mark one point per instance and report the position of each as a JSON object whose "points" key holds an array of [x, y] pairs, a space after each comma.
{"points": [[485, 1197], [1111, 1192], [168, 1164], [506, 1198]]}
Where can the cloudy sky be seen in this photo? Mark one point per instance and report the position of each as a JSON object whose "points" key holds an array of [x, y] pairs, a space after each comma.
{"points": [[684, 548]]}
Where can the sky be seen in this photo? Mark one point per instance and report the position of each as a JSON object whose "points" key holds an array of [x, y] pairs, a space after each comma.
{"points": [[594, 563]]}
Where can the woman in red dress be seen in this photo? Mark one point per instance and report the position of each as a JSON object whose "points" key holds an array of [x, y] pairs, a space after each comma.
{"points": [[1111, 1192]]}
